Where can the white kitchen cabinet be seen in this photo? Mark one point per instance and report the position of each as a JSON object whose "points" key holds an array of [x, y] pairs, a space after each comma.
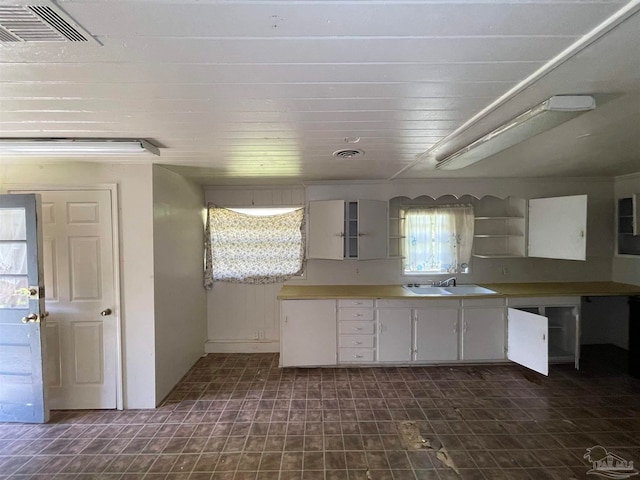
{"points": [[558, 227], [500, 228], [394, 334], [483, 333], [339, 229], [326, 230], [436, 334], [356, 331], [543, 330], [527, 338], [308, 332], [548, 228]]}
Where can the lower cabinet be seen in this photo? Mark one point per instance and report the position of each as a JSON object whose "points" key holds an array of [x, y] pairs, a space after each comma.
{"points": [[483, 330], [544, 330], [307, 333], [436, 334], [394, 334], [535, 331]]}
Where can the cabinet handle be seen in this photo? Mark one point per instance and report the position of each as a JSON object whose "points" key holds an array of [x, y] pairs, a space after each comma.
{"points": [[464, 326], [357, 303], [544, 337], [356, 343], [341, 234], [357, 356], [356, 315], [455, 327], [357, 329]]}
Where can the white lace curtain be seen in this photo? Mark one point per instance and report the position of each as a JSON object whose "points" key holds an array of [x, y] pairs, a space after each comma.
{"points": [[437, 239], [245, 248]]}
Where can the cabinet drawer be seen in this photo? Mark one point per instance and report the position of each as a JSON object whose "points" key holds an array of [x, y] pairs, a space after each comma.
{"points": [[356, 341], [355, 355], [355, 314], [355, 303], [357, 327]]}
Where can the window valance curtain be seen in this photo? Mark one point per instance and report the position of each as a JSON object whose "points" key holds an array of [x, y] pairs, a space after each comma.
{"points": [[253, 249], [438, 239]]}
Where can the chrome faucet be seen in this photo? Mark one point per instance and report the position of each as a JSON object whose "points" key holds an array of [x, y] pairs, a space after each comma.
{"points": [[449, 282]]}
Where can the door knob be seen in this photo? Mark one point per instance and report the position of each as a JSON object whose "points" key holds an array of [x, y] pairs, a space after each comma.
{"points": [[105, 312], [31, 318]]}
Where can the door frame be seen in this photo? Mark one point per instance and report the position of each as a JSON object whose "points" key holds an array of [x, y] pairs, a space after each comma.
{"points": [[115, 238]]}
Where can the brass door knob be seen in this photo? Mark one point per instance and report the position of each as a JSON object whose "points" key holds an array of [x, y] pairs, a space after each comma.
{"points": [[31, 318]]}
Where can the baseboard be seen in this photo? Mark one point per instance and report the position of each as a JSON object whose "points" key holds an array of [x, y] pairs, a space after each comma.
{"points": [[242, 346]]}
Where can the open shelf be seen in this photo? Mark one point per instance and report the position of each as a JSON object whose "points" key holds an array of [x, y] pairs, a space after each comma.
{"points": [[500, 227]]}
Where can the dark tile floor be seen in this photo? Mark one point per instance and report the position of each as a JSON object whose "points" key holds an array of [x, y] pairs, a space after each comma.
{"points": [[241, 417]]}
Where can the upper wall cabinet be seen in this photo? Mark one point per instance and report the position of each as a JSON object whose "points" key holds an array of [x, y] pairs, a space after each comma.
{"points": [[339, 229], [549, 228], [629, 225], [500, 227], [558, 227]]}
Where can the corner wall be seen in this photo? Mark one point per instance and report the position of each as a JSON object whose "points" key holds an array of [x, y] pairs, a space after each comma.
{"points": [[179, 300]]}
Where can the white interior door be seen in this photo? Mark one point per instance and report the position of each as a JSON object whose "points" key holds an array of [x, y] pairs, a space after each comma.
{"points": [[528, 340], [81, 328], [558, 227], [326, 230], [22, 343], [372, 229]]}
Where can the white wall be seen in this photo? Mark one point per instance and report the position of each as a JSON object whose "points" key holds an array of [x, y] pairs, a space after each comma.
{"points": [[246, 318], [136, 257], [180, 301], [626, 268]]}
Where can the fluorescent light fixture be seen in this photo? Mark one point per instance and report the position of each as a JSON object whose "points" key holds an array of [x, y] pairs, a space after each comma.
{"points": [[548, 114], [76, 146]]}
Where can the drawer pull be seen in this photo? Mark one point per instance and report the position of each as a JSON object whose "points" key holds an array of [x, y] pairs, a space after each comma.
{"points": [[356, 315], [357, 303], [357, 356], [357, 329], [356, 343]]}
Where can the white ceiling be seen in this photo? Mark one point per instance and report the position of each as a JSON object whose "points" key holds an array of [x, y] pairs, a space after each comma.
{"points": [[246, 91]]}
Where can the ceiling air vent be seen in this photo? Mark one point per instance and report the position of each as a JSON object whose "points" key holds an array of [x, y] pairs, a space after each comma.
{"points": [[38, 23], [348, 153]]}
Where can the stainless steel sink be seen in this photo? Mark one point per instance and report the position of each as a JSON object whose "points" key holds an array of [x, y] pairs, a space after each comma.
{"points": [[429, 291]]}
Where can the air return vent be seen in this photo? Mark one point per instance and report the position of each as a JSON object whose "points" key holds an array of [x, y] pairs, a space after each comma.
{"points": [[348, 153], [38, 23]]}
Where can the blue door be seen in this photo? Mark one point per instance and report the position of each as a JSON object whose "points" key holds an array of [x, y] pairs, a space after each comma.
{"points": [[22, 392]]}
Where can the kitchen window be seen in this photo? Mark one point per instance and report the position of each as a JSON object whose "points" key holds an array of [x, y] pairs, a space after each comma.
{"points": [[257, 245], [437, 239]]}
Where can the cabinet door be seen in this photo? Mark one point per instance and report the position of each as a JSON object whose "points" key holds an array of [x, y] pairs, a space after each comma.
{"points": [[394, 334], [558, 227], [436, 334], [372, 229], [528, 340], [326, 230], [483, 334], [308, 332]]}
